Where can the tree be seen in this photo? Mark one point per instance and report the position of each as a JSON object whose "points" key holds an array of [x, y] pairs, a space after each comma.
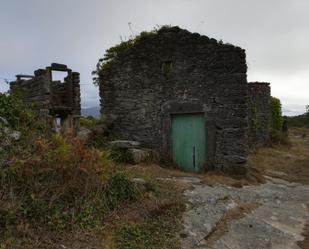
{"points": [[307, 115]]}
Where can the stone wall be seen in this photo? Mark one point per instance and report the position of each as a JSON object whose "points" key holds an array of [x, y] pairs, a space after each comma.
{"points": [[259, 117], [51, 99], [176, 71]]}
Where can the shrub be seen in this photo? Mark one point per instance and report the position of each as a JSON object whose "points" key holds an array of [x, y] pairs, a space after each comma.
{"points": [[119, 190], [121, 156], [276, 114], [15, 112], [278, 138], [89, 122], [58, 184]]}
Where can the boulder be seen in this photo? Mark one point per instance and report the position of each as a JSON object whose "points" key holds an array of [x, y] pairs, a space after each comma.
{"points": [[15, 135], [139, 155], [124, 144]]}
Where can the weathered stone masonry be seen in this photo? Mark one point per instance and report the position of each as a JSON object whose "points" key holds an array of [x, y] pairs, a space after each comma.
{"points": [[52, 99], [176, 71], [259, 117]]}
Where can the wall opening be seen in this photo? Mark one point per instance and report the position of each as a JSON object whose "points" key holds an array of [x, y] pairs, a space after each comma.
{"points": [[166, 67], [59, 76], [57, 124]]}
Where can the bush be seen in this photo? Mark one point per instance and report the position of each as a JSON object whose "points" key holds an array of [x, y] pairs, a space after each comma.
{"points": [[15, 112], [300, 120], [278, 138], [119, 190], [89, 122], [60, 184], [121, 156], [276, 114]]}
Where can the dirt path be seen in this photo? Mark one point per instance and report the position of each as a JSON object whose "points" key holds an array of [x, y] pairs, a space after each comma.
{"points": [[271, 215]]}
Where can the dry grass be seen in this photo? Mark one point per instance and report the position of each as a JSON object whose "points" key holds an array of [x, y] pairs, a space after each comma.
{"points": [[210, 178], [152, 222], [290, 163], [305, 243]]}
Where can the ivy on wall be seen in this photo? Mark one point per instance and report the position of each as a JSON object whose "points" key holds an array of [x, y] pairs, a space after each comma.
{"points": [[253, 119], [104, 63], [276, 114]]}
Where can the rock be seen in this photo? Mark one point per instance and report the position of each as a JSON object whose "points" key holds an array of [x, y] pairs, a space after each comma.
{"points": [[15, 135], [4, 121], [124, 144], [139, 155], [138, 180], [84, 133], [139, 183], [4, 163], [8, 136]]}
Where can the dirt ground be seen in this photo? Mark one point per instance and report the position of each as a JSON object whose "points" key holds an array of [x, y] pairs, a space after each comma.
{"points": [[290, 163]]}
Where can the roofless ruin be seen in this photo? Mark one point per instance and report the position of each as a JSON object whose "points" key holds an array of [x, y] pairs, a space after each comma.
{"points": [[56, 100], [182, 94]]}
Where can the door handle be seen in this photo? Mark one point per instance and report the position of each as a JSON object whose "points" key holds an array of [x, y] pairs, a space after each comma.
{"points": [[193, 156]]}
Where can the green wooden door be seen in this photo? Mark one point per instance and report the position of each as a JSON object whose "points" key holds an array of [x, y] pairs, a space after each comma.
{"points": [[188, 141]]}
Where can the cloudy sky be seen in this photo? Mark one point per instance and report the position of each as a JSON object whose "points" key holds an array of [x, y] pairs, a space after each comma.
{"points": [[275, 34]]}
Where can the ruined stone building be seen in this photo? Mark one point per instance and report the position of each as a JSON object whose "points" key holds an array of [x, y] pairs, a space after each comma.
{"points": [[183, 95], [56, 100], [259, 118]]}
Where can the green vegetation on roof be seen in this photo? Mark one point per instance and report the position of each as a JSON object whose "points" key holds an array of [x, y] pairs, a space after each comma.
{"points": [[110, 54]]}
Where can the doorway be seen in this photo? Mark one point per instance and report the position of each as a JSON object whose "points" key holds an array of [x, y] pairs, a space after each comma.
{"points": [[188, 141]]}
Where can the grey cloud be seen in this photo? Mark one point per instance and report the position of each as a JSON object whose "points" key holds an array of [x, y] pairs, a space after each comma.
{"points": [[77, 32]]}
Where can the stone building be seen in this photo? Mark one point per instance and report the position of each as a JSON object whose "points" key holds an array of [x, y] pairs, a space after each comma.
{"points": [[183, 95], [259, 118], [56, 100]]}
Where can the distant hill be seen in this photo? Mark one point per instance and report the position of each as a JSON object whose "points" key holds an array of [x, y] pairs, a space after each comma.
{"points": [[298, 121], [91, 111], [293, 109]]}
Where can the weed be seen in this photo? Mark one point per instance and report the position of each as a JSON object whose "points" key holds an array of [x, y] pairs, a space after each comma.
{"points": [[121, 156], [59, 186], [120, 189], [278, 138], [158, 230]]}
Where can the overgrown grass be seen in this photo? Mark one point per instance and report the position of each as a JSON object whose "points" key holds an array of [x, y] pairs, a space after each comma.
{"points": [[56, 191], [89, 121], [278, 138], [153, 222], [289, 162], [59, 184], [158, 231]]}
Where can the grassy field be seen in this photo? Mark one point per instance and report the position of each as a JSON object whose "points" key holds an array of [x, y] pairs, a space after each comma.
{"points": [[288, 162]]}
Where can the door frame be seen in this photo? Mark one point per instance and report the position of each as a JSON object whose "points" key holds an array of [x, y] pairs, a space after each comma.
{"points": [[193, 107]]}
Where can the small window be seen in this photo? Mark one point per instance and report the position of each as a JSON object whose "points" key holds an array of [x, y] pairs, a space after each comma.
{"points": [[167, 67], [59, 76]]}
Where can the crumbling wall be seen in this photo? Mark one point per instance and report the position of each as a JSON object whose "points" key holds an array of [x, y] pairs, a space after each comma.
{"points": [[176, 71], [51, 99], [259, 116]]}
